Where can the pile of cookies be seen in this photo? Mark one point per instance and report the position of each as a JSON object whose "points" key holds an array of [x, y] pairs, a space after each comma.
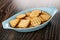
{"points": [[30, 19]]}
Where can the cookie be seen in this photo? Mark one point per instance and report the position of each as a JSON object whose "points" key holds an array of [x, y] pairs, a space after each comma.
{"points": [[28, 18], [14, 22], [23, 23], [35, 13], [44, 13], [28, 13], [21, 16], [45, 17], [35, 21], [30, 26], [42, 20]]}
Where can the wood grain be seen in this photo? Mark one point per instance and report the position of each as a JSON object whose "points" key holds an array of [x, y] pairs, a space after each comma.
{"points": [[50, 32]]}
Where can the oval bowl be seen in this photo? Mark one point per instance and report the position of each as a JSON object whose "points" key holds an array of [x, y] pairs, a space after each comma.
{"points": [[50, 10]]}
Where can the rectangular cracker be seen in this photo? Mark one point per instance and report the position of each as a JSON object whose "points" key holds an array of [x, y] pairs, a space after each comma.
{"points": [[23, 23], [35, 21], [45, 17], [42, 20], [35, 13], [21, 16]]}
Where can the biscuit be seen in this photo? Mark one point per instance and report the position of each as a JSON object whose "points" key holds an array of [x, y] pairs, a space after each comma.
{"points": [[14, 22], [30, 26], [35, 13], [35, 21], [23, 23], [44, 13], [28, 13], [42, 20], [21, 16], [28, 18], [45, 17]]}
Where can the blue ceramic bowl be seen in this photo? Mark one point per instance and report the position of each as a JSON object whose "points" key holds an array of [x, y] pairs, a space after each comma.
{"points": [[51, 10]]}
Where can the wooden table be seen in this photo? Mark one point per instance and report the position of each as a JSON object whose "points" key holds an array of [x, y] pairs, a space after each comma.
{"points": [[50, 32]]}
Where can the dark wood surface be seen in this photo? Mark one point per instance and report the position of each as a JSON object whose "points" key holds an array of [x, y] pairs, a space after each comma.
{"points": [[50, 32]]}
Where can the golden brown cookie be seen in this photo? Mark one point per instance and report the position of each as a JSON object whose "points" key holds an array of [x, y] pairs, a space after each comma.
{"points": [[21, 16], [14, 22], [28, 13], [42, 20], [28, 18], [23, 23], [30, 26], [44, 13], [35, 21], [45, 17], [35, 13]]}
